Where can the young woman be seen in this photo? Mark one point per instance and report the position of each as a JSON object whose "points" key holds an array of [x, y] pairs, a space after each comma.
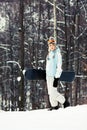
{"points": [[53, 73]]}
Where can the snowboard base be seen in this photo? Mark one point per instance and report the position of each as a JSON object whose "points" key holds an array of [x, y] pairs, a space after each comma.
{"points": [[38, 74]]}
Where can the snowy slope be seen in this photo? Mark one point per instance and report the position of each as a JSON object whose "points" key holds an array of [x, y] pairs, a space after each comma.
{"points": [[71, 118]]}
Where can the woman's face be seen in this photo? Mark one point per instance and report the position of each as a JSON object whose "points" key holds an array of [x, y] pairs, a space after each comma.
{"points": [[52, 47]]}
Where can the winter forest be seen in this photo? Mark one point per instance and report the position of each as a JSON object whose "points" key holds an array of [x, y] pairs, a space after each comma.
{"points": [[25, 26]]}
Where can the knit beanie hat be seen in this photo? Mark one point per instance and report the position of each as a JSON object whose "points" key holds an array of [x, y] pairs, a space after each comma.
{"points": [[51, 40]]}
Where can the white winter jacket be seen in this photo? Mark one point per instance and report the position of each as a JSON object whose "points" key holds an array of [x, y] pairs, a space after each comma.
{"points": [[54, 63]]}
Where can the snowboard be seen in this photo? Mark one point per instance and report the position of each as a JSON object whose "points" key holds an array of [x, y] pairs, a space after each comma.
{"points": [[39, 74]]}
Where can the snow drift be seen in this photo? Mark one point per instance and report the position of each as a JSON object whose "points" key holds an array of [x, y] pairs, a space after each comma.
{"points": [[70, 118]]}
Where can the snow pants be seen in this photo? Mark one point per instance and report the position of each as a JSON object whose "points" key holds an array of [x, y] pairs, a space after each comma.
{"points": [[54, 95]]}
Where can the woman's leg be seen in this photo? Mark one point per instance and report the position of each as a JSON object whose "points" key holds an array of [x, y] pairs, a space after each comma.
{"points": [[54, 95], [51, 91]]}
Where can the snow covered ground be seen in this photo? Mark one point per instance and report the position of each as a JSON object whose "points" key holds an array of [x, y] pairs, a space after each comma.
{"points": [[71, 118]]}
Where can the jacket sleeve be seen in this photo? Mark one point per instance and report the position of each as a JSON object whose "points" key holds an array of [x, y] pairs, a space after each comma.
{"points": [[59, 65]]}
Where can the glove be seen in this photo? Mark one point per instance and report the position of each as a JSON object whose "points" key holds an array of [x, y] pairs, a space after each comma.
{"points": [[55, 83]]}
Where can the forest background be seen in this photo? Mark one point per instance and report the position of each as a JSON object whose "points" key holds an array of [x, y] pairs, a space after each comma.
{"points": [[25, 26]]}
